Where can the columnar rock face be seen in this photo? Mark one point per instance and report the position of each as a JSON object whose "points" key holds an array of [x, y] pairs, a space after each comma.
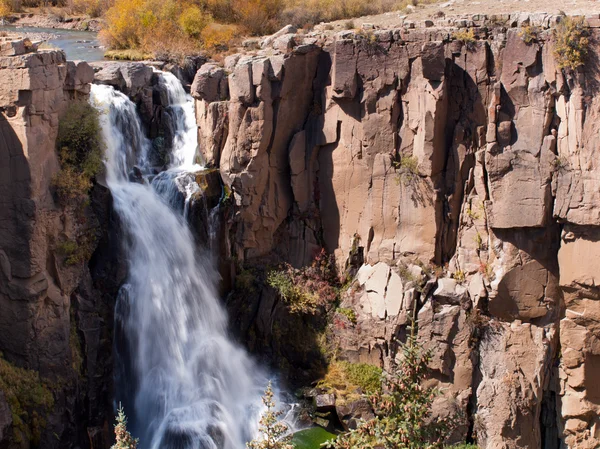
{"points": [[50, 318], [405, 149], [36, 89]]}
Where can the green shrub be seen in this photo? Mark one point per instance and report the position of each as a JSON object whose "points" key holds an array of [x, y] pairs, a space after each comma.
{"points": [[459, 276], [348, 313], [529, 34], [403, 408], [193, 21], [298, 299], [307, 289], [571, 41], [79, 250], [408, 169], [467, 37], [349, 380], [80, 151], [29, 400], [367, 377]]}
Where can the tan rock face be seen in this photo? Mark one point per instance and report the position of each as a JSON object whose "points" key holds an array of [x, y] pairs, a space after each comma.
{"points": [[34, 299], [45, 305], [411, 148]]}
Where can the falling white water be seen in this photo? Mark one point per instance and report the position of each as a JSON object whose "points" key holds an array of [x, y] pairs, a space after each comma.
{"points": [[121, 130], [181, 105], [187, 384]]}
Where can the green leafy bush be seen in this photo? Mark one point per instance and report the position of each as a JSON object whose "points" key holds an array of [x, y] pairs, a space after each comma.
{"points": [[307, 289], [367, 377], [29, 400], [530, 34], [571, 42], [403, 410], [408, 169], [79, 250], [348, 313], [80, 151], [193, 21], [349, 380]]}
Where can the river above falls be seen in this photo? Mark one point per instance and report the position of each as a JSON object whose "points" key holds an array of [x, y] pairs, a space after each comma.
{"points": [[77, 45]]}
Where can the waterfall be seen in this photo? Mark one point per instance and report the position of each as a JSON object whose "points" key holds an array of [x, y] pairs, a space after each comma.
{"points": [[187, 385], [181, 106]]}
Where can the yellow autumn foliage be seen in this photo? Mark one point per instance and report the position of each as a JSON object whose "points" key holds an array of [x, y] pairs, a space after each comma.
{"points": [[176, 27], [5, 7]]}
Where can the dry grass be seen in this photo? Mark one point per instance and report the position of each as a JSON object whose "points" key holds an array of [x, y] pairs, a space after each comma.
{"points": [[128, 55]]}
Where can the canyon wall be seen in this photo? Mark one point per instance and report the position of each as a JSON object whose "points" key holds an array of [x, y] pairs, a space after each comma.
{"points": [[53, 320], [452, 177], [460, 174]]}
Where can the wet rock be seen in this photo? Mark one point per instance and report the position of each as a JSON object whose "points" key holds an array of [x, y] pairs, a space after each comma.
{"points": [[352, 413]]}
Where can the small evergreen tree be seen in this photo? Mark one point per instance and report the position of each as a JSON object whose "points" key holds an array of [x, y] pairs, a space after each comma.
{"points": [[403, 409], [271, 429], [124, 438]]}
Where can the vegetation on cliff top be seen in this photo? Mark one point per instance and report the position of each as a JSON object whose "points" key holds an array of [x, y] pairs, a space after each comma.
{"points": [[571, 42], [183, 27], [173, 28], [59, 8]]}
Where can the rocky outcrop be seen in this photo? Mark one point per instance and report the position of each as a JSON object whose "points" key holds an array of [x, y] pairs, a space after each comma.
{"points": [[39, 87], [461, 174], [51, 318]]}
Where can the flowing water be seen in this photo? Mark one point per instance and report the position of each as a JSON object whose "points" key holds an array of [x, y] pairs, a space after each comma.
{"points": [[77, 45], [187, 385]]}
